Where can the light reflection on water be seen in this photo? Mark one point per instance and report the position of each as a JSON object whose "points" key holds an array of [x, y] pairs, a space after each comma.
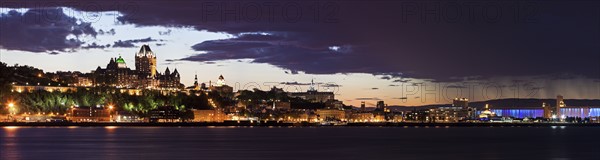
{"points": [[298, 143]]}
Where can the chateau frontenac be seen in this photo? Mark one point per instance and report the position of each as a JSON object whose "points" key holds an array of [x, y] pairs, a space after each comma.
{"points": [[145, 76]]}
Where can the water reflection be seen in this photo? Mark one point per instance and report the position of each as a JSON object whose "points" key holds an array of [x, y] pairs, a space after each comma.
{"points": [[297, 143]]}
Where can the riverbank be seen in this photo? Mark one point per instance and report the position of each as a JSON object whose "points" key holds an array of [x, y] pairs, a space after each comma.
{"points": [[274, 123]]}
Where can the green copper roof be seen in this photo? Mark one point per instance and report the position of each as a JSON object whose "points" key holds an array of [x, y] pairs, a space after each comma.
{"points": [[120, 60]]}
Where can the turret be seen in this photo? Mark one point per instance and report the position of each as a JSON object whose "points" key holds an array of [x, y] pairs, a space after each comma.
{"points": [[167, 72], [175, 73]]}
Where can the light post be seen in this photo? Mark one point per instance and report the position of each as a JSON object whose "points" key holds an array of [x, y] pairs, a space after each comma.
{"points": [[11, 110], [110, 108]]}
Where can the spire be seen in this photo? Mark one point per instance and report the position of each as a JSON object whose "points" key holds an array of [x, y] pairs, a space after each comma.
{"points": [[196, 82], [312, 85], [167, 72]]}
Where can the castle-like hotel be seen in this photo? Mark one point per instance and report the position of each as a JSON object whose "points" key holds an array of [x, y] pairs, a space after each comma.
{"points": [[117, 74]]}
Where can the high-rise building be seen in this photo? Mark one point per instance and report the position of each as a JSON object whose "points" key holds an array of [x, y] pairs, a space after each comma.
{"points": [[547, 110], [380, 105], [460, 102], [363, 106], [145, 61], [559, 104]]}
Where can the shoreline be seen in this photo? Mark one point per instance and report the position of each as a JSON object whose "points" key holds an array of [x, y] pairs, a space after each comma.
{"points": [[282, 124]]}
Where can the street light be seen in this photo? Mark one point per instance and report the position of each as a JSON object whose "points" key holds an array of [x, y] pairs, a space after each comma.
{"points": [[110, 108], [11, 108]]}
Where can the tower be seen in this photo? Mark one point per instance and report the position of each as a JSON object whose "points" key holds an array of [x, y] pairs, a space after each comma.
{"points": [[121, 62], [460, 102], [145, 61], [196, 86], [221, 81], [312, 86], [547, 110], [380, 105], [363, 106], [559, 104]]}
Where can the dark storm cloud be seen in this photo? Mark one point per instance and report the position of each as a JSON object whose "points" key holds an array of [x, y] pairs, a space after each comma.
{"points": [[42, 30], [330, 85], [131, 43], [401, 80], [95, 46], [368, 99], [295, 83], [456, 86], [400, 38], [109, 32]]}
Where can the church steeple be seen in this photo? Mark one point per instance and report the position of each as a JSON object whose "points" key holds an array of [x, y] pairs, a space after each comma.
{"points": [[312, 85], [196, 86]]}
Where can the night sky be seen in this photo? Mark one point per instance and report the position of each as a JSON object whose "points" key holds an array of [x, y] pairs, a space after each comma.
{"points": [[403, 52]]}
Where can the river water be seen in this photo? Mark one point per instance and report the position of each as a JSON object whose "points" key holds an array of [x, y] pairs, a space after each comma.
{"points": [[301, 143]]}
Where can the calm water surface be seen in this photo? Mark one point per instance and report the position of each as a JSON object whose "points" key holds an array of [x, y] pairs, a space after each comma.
{"points": [[305, 143]]}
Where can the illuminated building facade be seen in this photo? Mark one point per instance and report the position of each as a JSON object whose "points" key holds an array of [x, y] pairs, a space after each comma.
{"points": [[559, 104], [460, 102], [117, 74], [89, 114], [335, 114], [531, 112], [209, 115]]}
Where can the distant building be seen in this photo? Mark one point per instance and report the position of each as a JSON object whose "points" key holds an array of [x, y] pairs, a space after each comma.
{"points": [[89, 114], [451, 114], [363, 106], [124, 116], [117, 74], [487, 113], [460, 102], [361, 117], [381, 105], [313, 95], [209, 115], [282, 105], [548, 111], [335, 114], [29, 88], [196, 86], [560, 103], [165, 114], [221, 87]]}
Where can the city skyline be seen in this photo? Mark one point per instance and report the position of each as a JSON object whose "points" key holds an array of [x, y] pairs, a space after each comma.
{"points": [[408, 73]]}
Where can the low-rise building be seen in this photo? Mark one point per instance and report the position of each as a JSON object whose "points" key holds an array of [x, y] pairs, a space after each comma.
{"points": [[89, 114], [336, 114], [209, 115], [124, 116], [361, 117], [165, 114]]}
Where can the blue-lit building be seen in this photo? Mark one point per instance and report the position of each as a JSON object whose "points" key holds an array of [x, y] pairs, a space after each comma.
{"points": [[582, 112]]}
